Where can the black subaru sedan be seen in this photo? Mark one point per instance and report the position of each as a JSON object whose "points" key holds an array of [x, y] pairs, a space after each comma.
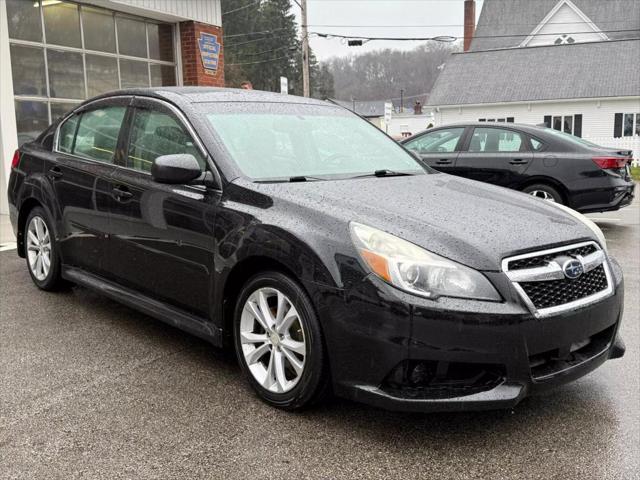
{"points": [[324, 253], [540, 161]]}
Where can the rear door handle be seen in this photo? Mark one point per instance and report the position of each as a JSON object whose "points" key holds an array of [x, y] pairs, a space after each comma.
{"points": [[518, 161], [443, 161], [121, 193], [55, 172]]}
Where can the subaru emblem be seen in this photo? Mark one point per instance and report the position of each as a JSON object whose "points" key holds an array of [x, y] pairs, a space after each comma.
{"points": [[572, 269]]}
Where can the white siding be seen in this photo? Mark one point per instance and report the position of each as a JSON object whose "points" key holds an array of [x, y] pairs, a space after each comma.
{"points": [[597, 116], [204, 11]]}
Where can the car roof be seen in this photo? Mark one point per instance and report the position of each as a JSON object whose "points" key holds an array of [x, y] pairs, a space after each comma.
{"points": [[213, 94], [523, 126]]}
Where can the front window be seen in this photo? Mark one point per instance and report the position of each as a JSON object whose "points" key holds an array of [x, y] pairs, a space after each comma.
{"points": [[280, 141], [154, 134], [440, 141]]}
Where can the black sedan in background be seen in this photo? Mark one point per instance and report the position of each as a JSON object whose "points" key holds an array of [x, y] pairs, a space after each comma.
{"points": [[540, 161], [318, 248]]}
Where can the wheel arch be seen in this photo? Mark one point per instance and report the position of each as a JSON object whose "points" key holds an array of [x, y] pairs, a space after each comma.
{"points": [[238, 276], [559, 186], [25, 209]]}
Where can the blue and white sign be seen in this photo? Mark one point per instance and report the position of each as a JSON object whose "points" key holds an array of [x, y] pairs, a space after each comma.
{"points": [[209, 52]]}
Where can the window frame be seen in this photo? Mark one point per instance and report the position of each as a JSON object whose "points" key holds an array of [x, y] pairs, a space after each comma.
{"points": [[115, 101]]}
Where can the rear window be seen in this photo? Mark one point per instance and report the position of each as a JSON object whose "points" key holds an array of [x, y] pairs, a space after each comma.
{"points": [[97, 134]]}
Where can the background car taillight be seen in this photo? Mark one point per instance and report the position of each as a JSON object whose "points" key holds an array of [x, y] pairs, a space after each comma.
{"points": [[608, 163], [15, 161]]}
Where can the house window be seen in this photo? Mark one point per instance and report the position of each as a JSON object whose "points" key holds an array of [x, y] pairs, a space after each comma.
{"points": [[626, 125], [501, 120], [571, 124]]}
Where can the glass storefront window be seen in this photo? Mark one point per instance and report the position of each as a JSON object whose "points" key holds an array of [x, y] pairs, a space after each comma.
{"points": [[134, 74], [62, 24], [99, 30], [60, 109], [56, 64], [102, 74], [24, 20], [160, 42], [163, 76], [27, 67], [132, 37], [31, 118], [66, 77]]}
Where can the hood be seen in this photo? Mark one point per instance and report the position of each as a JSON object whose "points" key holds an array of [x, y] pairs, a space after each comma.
{"points": [[472, 223]]}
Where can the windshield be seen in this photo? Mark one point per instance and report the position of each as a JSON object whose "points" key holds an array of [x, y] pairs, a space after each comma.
{"points": [[571, 138], [281, 141]]}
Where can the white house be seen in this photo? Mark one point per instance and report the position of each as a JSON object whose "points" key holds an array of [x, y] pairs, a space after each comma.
{"points": [[572, 65]]}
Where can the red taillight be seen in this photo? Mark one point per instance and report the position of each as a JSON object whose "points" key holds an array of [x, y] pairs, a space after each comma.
{"points": [[610, 162], [15, 161]]}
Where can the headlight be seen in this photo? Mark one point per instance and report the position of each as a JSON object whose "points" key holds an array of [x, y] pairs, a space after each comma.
{"points": [[416, 270], [588, 223]]}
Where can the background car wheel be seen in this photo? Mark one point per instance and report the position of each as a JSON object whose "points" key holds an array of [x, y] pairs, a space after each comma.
{"points": [[279, 342], [41, 252], [545, 192]]}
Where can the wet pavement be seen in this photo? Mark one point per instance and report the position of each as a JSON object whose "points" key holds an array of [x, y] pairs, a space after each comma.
{"points": [[89, 388]]}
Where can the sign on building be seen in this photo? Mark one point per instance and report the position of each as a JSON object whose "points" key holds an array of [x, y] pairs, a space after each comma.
{"points": [[209, 52], [284, 85]]}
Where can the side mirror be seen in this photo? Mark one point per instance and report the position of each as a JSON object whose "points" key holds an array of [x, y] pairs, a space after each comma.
{"points": [[175, 169]]}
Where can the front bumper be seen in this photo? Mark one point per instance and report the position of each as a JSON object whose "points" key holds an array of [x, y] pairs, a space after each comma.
{"points": [[379, 337]]}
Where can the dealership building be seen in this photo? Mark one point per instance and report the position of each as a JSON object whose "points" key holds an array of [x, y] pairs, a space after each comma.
{"points": [[55, 54]]}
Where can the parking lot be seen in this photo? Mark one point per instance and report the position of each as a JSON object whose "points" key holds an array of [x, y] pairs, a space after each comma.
{"points": [[92, 389]]}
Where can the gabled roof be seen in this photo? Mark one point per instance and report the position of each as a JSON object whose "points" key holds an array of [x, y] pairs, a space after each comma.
{"points": [[581, 70], [510, 22]]}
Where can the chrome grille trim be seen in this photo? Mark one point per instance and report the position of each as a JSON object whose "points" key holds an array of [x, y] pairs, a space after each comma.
{"points": [[553, 271]]}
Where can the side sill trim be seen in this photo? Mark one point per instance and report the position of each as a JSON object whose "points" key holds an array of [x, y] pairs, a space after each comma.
{"points": [[168, 314]]}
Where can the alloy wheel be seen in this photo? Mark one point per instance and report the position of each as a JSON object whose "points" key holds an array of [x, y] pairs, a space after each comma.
{"points": [[543, 194], [273, 340], [39, 248]]}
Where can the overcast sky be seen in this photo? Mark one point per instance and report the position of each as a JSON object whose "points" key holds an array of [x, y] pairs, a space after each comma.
{"points": [[382, 18]]}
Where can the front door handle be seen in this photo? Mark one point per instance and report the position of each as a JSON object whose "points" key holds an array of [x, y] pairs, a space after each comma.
{"points": [[121, 193], [518, 161], [55, 172]]}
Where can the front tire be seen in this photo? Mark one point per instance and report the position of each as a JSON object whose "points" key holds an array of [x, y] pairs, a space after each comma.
{"points": [[545, 192], [41, 251], [279, 342]]}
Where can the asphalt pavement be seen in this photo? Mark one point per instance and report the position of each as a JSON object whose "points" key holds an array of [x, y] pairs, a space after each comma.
{"points": [[92, 389]]}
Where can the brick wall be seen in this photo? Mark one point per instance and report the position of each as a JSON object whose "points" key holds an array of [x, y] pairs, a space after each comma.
{"points": [[193, 72]]}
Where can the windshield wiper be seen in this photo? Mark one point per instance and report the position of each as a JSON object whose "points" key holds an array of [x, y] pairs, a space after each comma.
{"points": [[304, 178], [385, 173]]}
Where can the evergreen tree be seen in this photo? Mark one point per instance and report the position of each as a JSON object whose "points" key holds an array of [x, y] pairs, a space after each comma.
{"points": [[261, 44]]}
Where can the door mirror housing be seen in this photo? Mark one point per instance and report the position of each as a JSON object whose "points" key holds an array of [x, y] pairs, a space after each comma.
{"points": [[175, 169]]}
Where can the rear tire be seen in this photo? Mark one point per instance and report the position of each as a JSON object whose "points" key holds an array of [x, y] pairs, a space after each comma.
{"points": [[279, 342], [41, 251], [545, 192]]}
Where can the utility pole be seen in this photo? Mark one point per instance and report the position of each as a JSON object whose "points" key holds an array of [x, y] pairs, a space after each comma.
{"points": [[305, 50], [401, 100]]}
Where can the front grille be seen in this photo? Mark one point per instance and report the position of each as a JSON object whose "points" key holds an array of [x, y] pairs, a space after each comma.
{"points": [[557, 292], [542, 260]]}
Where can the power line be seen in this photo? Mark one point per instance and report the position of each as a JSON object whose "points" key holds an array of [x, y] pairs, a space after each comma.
{"points": [[255, 40], [449, 38], [241, 8], [255, 33], [458, 25], [259, 61]]}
